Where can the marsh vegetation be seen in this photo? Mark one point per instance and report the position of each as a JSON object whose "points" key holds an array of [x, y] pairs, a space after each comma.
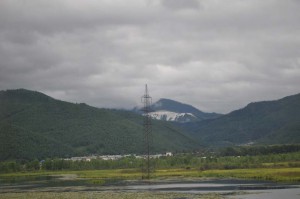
{"points": [[59, 178]]}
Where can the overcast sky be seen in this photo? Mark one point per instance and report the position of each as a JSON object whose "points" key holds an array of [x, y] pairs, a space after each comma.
{"points": [[213, 54]]}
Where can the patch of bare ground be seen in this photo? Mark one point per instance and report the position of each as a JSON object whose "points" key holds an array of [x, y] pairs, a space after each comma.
{"points": [[108, 194]]}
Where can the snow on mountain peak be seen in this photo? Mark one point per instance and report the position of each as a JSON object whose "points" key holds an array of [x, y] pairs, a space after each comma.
{"points": [[172, 116], [170, 110]]}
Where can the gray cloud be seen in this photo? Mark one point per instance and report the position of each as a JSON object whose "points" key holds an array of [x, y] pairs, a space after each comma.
{"points": [[181, 4], [215, 55]]}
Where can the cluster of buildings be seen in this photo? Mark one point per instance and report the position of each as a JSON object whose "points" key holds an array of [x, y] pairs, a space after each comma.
{"points": [[115, 157]]}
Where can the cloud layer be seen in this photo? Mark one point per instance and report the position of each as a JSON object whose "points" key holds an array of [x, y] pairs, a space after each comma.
{"points": [[216, 55]]}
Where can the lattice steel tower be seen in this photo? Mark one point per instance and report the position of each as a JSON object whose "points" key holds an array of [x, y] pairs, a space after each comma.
{"points": [[147, 100]]}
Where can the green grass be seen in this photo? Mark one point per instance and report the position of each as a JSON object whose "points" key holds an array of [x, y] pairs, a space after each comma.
{"points": [[272, 174]]}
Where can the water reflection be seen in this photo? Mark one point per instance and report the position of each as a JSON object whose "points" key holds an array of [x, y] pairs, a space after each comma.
{"points": [[289, 193], [213, 185], [254, 189]]}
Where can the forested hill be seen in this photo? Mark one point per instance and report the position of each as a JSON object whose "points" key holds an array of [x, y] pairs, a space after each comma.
{"points": [[267, 122], [34, 125]]}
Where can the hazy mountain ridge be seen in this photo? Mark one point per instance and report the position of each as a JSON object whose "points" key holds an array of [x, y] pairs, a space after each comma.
{"points": [[268, 122]]}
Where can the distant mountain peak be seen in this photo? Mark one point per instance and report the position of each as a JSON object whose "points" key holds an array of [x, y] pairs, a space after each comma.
{"points": [[172, 105], [171, 110]]}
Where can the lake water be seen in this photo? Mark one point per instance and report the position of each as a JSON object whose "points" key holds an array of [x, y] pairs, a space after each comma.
{"points": [[293, 193], [230, 188], [241, 189]]}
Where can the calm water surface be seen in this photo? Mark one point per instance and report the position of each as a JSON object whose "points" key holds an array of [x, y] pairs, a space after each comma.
{"points": [[245, 189], [293, 193], [250, 189]]}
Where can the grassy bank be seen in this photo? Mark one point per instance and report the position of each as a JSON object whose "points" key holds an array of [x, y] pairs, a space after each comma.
{"points": [[272, 174], [277, 175]]}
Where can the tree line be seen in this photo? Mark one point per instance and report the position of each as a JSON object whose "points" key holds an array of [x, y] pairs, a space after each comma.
{"points": [[186, 161], [259, 150]]}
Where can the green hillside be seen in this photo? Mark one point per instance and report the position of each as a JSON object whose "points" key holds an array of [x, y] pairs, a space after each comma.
{"points": [[33, 125], [268, 122]]}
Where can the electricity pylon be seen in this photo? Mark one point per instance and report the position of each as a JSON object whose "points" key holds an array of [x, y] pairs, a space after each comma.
{"points": [[147, 100]]}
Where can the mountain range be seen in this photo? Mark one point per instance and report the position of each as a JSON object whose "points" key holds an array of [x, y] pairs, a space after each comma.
{"points": [[34, 125]]}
